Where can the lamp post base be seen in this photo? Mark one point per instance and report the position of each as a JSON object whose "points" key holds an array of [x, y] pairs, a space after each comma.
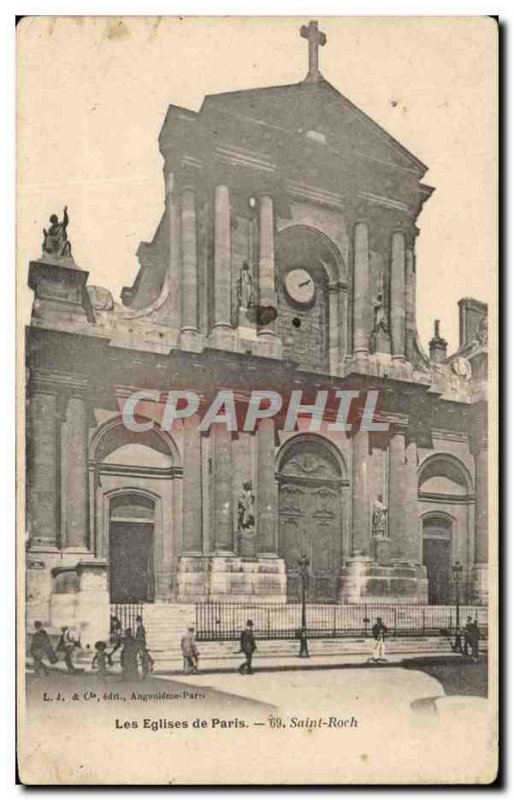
{"points": [[304, 649]]}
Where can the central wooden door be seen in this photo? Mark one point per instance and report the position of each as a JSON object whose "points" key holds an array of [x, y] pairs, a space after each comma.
{"points": [[310, 522]]}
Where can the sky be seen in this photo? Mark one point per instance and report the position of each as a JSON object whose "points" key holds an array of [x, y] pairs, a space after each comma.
{"points": [[93, 94]]}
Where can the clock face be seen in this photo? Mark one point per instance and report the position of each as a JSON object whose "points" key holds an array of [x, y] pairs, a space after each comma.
{"points": [[300, 286]]}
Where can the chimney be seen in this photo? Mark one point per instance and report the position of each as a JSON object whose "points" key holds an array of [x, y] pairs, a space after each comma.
{"points": [[437, 345], [471, 312]]}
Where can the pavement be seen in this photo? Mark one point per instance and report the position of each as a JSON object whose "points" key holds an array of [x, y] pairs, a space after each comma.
{"points": [[287, 663]]}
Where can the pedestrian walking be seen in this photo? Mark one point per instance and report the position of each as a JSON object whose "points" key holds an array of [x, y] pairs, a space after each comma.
{"points": [[147, 662], [101, 659], [471, 638], [189, 651], [40, 648], [129, 656], [379, 631], [248, 647], [115, 630], [67, 644]]}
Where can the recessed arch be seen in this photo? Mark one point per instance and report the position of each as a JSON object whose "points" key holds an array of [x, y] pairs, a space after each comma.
{"points": [[301, 441], [445, 474], [113, 435], [298, 243]]}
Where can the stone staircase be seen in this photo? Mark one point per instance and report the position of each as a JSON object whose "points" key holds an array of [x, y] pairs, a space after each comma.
{"points": [[166, 623]]}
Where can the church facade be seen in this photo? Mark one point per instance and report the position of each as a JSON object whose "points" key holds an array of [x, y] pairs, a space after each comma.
{"points": [[285, 260]]}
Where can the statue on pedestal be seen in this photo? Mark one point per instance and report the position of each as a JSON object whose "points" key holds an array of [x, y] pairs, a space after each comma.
{"points": [[245, 291], [380, 320], [246, 508], [379, 528], [246, 521], [55, 242]]}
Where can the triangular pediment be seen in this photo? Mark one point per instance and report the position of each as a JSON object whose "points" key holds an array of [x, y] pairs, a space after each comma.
{"points": [[319, 109]]}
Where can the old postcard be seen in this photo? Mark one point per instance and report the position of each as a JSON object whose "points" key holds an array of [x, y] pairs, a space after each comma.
{"points": [[257, 381]]}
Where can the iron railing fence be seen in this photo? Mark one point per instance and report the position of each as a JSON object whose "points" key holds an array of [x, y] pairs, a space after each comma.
{"points": [[126, 614], [225, 621]]}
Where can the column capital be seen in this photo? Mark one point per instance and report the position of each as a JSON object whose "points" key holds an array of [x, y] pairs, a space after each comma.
{"points": [[45, 381]]}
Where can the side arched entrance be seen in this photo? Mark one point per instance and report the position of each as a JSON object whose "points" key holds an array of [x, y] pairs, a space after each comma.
{"points": [[437, 551], [134, 494], [131, 552], [310, 517], [446, 503]]}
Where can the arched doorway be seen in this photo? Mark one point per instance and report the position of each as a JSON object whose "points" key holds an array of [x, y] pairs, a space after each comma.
{"points": [[310, 517], [131, 553], [445, 498], [437, 549], [134, 493]]}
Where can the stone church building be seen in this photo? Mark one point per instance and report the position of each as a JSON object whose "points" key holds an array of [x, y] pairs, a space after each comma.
{"points": [[285, 258]]}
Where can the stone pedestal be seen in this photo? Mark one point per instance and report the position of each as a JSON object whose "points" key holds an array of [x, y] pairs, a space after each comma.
{"points": [[381, 342], [364, 580], [381, 549], [239, 580], [193, 579], [93, 602], [80, 599], [59, 288], [246, 543]]}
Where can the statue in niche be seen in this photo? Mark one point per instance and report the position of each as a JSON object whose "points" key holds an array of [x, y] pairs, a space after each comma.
{"points": [[245, 289], [380, 320], [246, 540], [246, 508], [379, 528], [55, 242]]}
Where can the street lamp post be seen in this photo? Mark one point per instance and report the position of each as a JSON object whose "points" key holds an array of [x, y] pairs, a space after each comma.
{"points": [[457, 572], [303, 563]]}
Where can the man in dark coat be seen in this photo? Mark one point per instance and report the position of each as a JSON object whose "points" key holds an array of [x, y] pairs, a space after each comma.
{"points": [[471, 638], [41, 647], [248, 647], [146, 659], [379, 631]]}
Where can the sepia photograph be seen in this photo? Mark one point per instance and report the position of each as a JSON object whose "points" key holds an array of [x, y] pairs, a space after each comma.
{"points": [[257, 339]]}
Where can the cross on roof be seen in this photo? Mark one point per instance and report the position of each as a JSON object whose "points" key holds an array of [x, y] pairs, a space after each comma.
{"points": [[316, 39]]}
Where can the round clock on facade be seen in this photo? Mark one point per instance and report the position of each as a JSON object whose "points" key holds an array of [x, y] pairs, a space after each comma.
{"points": [[300, 286]]}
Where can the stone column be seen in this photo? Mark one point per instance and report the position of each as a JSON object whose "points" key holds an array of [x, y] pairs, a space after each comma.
{"points": [[77, 495], [480, 567], [174, 273], [43, 494], [267, 298], [481, 503], [410, 302], [222, 490], [192, 488], [222, 266], [398, 295], [360, 495], [266, 489], [189, 285], [397, 495], [361, 300], [413, 538]]}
